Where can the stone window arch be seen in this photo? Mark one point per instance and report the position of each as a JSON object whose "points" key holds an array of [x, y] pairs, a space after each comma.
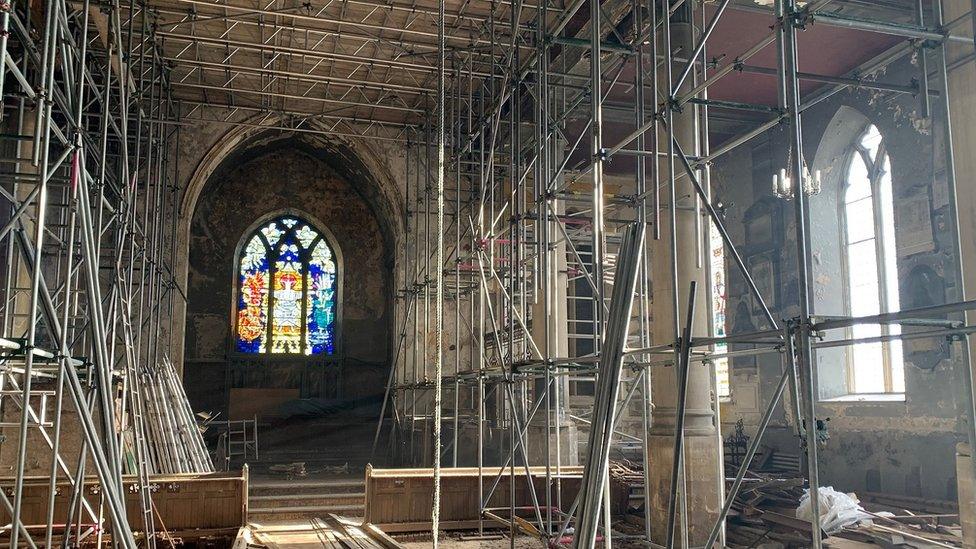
{"points": [[854, 258], [287, 289], [870, 260]]}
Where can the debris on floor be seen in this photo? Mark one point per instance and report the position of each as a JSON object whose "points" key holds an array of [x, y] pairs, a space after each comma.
{"points": [[764, 515], [328, 532], [837, 510], [289, 470], [299, 470], [771, 511], [333, 469], [349, 533]]}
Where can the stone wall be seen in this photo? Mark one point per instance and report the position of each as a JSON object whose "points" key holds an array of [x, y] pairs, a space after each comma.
{"points": [[280, 176], [902, 447], [204, 150]]}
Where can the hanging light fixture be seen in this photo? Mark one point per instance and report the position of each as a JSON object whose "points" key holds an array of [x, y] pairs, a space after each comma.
{"points": [[783, 184]]}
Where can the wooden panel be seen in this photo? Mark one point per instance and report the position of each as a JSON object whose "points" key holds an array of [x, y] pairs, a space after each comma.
{"points": [[246, 403], [399, 500], [215, 501], [313, 376], [967, 510]]}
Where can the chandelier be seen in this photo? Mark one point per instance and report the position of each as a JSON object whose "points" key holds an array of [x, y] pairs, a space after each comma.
{"points": [[783, 184]]}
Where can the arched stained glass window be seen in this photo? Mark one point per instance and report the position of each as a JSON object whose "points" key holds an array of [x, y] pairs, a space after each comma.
{"points": [[286, 300], [872, 273]]}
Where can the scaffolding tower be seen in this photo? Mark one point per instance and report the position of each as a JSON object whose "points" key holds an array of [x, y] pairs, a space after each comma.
{"points": [[510, 183], [506, 199], [88, 189]]}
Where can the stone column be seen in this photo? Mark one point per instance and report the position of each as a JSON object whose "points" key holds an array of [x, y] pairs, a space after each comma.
{"points": [[702, 464], [557, 281], [962, 109], [559, 348]]}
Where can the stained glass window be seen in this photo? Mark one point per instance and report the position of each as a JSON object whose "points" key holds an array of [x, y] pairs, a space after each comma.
{"points": [[719, 303], [287, 290]]}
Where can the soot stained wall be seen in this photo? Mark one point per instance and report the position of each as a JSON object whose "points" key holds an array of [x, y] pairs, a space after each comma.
{"points": [[903, 447], [262, 183]]}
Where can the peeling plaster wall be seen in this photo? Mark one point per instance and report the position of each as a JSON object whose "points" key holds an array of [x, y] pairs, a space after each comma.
{"points": [[286, 178], [377, 168], [897, 447], [230, 177]]}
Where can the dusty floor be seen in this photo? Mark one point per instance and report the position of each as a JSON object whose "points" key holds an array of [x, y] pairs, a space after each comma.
{"points": [[309, 534], [451, 543]]}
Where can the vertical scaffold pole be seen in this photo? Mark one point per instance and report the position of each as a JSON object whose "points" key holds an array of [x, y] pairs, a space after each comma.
{"points": [[439, 275]]}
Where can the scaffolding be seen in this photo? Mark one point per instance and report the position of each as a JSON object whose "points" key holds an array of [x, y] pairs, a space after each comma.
{"points": [[507, 203], [525, 138], [88, 188]]}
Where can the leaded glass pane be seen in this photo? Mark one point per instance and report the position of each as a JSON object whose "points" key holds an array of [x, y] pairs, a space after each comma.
{"points": [[871, 140], [286, 328], [719, 304], [862, 262], [305, 236], [272, 233], [252, 301], [287, 301], [888, 234], [858, 181], [860, 220], [320, 337], [868, 360]]}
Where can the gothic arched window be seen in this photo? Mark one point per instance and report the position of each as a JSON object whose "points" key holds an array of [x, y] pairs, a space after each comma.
{"points": [[872, 274], [287, 290]]}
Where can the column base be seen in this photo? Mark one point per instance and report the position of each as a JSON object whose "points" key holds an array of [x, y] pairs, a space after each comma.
{"points": [[703, 475]]}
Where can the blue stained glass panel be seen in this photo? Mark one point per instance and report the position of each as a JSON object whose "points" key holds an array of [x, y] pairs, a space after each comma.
{"points": [[252, 301], [288, 291], [320, 337]]}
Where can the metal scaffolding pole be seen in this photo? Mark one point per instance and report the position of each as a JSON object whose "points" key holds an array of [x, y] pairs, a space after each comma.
{"points": [[528, 84], [802, 347], [595, 476], [87, 219]]}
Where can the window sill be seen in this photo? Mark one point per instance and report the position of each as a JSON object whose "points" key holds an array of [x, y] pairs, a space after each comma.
{"points": [[867, 398]]}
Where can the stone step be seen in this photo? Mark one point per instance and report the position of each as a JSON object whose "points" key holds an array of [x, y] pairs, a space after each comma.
{"points": [[333, 457], [311, 459], [312, 470], [279, 513], [307, 500], [268, 487]]}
